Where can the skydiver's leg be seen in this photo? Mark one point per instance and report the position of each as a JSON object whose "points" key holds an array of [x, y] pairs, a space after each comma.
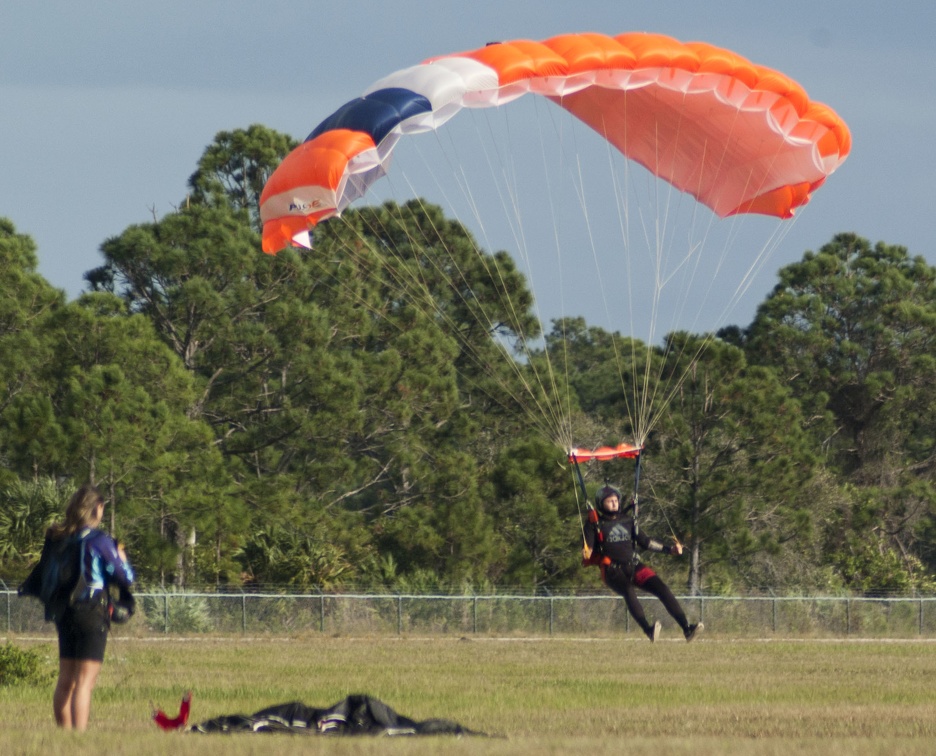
{"points": [[653, 585], [617, 581]]}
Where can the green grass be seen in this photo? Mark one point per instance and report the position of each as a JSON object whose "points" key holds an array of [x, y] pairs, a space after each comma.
{"points": [[559, 695]]}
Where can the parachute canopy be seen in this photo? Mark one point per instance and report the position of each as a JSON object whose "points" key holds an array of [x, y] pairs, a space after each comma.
{"points": [[739, 137], [356, 715]]}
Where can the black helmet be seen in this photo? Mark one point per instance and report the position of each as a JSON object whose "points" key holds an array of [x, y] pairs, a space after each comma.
{"points": [[604, 493]]}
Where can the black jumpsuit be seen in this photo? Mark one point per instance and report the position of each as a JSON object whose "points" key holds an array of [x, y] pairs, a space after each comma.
{"points": [[613, 537]]}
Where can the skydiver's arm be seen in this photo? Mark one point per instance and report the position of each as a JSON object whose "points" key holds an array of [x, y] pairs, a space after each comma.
{"points": [[591, 535], [590, 555], [651, 544]]}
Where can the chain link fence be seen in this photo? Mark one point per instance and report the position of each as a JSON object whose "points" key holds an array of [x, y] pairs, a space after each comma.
{"points": [[174, 613]]}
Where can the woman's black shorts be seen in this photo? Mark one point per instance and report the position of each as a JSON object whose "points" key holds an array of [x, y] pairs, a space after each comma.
{"points": [[82, 631]]}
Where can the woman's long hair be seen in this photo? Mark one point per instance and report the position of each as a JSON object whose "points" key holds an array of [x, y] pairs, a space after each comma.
{"points": [[78, 514]]}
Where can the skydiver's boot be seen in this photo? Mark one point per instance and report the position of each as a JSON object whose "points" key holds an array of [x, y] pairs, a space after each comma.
{"points": [[692, 631], [653, 632]]}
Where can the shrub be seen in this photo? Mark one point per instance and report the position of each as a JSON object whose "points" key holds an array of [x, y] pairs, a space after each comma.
{"points": [[186, 613], [20, 666]]}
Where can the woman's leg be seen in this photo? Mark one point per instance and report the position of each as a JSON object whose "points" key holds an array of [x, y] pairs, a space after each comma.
{"points": [[64, 692], [85, 679], [82, 640]]}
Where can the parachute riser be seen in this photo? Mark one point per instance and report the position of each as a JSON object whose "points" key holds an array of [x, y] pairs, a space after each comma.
{"points": [[636, 485], [603, 454], [591, 513], [581, 480]]}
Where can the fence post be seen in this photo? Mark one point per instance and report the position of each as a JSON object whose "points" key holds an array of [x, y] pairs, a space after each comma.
{"points": [[551, 613], [847, 616], [166, 613], [921, 616], [321, 612], [6, 592], [399, 615], [474, 615], [244, 613]]}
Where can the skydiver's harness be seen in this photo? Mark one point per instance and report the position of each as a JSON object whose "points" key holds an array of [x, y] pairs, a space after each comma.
{"points": [[595, 557]]}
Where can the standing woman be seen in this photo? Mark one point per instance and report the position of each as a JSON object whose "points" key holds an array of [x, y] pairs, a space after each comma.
{"points": [[84, 623]]}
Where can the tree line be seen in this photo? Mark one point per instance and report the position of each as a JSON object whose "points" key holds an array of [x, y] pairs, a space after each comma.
{"points": [[348, 418]]}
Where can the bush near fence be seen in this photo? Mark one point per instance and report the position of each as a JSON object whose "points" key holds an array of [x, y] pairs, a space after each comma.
{"points": [[194, 613]]}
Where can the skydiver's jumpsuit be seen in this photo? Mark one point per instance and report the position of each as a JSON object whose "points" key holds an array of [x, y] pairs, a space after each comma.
{"points": [[611, 540]]}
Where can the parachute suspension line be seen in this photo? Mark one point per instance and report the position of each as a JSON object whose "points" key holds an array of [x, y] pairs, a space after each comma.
{"points": [[640, 397], [655, 236], [649, 395], [416, 292], [669, 388], [669, 524], [579, 183], [621, 193], [655, 392], [414, 287], [641, 391], [563, 401], [545, 370], [768, 246], [553, 213], [420, 297], [653, 244], [622, 209], [655, 389], [556, 420]]}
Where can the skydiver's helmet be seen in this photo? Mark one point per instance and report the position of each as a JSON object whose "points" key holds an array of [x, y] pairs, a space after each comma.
{"points": [[604, 493]]}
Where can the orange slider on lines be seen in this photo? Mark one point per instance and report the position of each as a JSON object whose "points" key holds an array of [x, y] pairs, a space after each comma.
{"points": [[604, 453]]}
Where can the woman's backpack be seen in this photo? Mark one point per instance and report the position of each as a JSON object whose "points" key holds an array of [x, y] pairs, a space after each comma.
{"points": [[54, 580]]}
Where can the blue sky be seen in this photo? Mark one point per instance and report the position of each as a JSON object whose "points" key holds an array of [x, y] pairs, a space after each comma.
{"points": [[105, 107]]}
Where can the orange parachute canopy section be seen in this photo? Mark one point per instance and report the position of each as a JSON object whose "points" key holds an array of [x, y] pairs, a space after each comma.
{"points": [[604, 453], [739, 137]]}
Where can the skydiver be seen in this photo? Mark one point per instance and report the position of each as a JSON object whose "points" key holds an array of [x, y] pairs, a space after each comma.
{"points": [[610, 543]]}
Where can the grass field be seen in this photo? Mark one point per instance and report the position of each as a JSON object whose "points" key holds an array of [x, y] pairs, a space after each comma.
{"points": [[540, 696]]}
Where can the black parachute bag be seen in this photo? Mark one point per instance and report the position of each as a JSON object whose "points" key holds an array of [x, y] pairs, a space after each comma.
{"points": [[59, 576]]}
